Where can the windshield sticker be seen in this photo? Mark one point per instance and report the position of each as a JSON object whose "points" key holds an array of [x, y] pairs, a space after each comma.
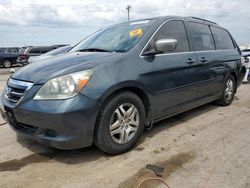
{"points": [[139, 22], [136, 33]]}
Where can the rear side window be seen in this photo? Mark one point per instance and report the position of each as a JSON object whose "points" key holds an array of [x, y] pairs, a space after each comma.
{"points": [[172, 30], [35, 50], [201, 37], [23, 50], [9, 51], [222, 39], [45, 50]]}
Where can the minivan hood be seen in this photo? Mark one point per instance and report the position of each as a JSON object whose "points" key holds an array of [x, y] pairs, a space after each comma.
{"points": [[46, 69]]}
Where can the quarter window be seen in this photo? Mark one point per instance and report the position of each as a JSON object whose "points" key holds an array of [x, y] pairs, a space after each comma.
{"points": [[172, 30], [201, 37], [222, 39]]}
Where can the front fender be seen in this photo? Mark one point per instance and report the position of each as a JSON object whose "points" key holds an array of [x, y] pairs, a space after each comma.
{"points": [[125, 85]]}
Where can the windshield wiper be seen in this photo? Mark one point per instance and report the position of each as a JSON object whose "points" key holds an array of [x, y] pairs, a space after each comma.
{"points": [[94, 50]]}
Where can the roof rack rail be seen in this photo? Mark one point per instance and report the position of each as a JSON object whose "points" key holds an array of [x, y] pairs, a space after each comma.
{"points": [[201, 19]]}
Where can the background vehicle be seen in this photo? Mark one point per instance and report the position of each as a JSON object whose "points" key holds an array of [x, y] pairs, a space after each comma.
{"points": [[246, 56], [49, 54], [122, 79], [30, 51], [59, 45], [8, 56]]}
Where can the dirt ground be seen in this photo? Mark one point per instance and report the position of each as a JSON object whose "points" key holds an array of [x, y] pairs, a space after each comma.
{"points": [[207, 147]]}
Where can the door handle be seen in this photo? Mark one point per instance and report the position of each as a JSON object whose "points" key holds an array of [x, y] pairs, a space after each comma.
{"points": [[190, 61], [203, 60]]}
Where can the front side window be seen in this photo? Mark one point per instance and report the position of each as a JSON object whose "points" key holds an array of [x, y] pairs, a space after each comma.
{"points": [[11, 50], [222, 39], [118, 38], [201, 37], [172, 30]]}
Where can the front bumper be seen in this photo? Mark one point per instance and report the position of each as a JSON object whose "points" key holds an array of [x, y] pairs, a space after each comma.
{"points": [[63, 124]]}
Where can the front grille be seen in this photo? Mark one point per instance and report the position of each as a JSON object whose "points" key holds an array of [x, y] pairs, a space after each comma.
{"points": [[14, 94], [15, 90]]}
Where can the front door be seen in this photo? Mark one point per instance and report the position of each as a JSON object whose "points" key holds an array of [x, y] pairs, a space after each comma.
{"points": [[174, 79]]}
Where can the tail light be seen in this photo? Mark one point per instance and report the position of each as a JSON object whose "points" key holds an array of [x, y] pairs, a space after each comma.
{"points": [[24, 57]]}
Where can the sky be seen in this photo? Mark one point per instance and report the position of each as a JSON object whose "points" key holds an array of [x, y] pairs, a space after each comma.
{"points": [[48, 22]]}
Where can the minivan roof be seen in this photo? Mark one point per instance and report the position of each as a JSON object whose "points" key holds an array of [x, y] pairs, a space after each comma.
{"points": [[188, 18]]}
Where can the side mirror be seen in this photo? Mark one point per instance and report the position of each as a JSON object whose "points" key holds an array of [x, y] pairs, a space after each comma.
{"points": [[166, 45]]}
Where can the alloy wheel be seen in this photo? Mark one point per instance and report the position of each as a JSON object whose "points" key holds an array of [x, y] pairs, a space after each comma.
{"points": [[124, 123], [229, 90]]}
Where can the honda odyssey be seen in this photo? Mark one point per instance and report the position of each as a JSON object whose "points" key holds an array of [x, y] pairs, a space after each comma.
{"points": [[122, 79]]}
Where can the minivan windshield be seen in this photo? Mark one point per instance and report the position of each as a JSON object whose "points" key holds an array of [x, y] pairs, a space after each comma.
{"points": [[118, 38]]}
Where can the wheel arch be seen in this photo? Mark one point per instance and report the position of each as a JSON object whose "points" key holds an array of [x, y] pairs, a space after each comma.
{"points": [[7, 59], [136, 89]]}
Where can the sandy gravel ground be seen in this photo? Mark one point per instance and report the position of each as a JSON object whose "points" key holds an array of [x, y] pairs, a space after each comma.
{"points": [[207, 147]]}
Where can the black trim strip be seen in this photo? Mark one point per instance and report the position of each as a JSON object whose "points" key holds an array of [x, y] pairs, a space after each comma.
{"points": [[190, 85]]}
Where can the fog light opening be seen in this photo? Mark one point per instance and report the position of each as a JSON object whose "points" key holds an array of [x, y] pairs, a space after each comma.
{"points": [[50, 133]]}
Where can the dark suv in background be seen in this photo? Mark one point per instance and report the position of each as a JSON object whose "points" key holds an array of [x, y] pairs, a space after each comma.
{"points": [[27, 52], [8, 56], [111, 86], [58, 51]]}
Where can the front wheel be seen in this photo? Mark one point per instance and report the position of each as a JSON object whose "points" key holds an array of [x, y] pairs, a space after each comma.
{"points": [[228, 92], [120, 123]]}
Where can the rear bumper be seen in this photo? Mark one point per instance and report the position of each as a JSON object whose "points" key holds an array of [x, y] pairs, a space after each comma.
{"points": [[22, 62], [63, 124], [240, 75]]}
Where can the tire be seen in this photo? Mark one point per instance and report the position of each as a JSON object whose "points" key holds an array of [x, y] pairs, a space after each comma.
{"points": [[120, 123], [7, 63], [229, 90]]}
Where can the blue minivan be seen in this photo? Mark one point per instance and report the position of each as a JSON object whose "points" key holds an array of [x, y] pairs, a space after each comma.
{"points": [[120, 80]]}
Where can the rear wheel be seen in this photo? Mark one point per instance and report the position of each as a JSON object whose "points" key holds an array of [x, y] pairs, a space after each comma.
{"points": [[228, 92], [120, 123], [7, 63]]}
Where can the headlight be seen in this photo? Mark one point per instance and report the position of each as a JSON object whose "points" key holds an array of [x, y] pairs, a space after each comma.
{"points": [[64, 87]]}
